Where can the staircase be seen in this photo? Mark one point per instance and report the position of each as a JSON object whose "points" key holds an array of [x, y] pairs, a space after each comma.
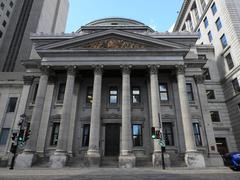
{"points": [[109, 161]]}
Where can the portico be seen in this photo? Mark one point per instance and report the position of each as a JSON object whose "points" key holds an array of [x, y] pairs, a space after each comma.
{"points": [[115, 82]]}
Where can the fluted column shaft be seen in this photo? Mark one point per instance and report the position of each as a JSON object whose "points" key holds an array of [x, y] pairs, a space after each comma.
{"points": [[66, 112], [185, 111], [155, 103], [37, 111], [127, 144], [94, 138]]}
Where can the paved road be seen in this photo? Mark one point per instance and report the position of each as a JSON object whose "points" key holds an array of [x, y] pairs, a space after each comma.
{"points": [[119, 174]]}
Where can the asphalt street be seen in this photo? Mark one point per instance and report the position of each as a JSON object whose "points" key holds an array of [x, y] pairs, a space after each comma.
{"points": [[119, 174]]}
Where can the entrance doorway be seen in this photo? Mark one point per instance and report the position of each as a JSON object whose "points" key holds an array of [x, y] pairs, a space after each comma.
{"points": [[112, 140], [222, 146]]}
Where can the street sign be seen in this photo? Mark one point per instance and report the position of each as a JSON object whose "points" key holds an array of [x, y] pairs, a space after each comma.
{"points": [[162, 143]]}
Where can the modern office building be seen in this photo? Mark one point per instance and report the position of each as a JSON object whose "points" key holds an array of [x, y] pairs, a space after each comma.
{"points": [[18, 19], [218, 22]]}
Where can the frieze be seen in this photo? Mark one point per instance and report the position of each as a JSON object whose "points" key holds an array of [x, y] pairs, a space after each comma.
{"points": [[111, 116], [114, 43]]}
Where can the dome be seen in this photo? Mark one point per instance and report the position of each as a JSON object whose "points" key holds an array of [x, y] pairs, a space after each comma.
{"points": [[115, 22]]}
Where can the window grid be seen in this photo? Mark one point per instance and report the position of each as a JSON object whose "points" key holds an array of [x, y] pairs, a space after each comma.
{"points": [[236, 85], [137, 135], [136, 95], [113, 95], [214, 8], [163, 88], [12, 104], [205, 22], [210, 94], [197, 134], [189, 92], [55, 132], [86, 133], [210, 37], [218, 24], [61, 91], [224, 41], [89, 97], [4, 136], [229, 61], [168, 133]]}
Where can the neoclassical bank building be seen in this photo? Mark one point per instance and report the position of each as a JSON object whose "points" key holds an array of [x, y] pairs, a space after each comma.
{"points": [[92, 97]]}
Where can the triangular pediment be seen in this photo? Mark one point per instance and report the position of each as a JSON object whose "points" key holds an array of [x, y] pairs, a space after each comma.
{"points": [[111, 39]]}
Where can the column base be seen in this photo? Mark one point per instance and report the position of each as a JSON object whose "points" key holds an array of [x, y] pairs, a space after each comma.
{"points": [[128, 161], [194, 160], [214, 160], [157, 160], [58, 160], [25, 160], [93, 158]]}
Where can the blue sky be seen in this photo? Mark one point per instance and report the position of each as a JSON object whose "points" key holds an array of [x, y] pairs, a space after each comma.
{"points": [[158, 14]]}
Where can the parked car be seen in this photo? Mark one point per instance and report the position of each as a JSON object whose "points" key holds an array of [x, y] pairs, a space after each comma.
{"points": [[232, 160]]}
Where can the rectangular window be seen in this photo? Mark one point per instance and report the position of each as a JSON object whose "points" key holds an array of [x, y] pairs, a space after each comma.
{"points": [[224, 41], [236, 86], [229, 61], [203, 3], [215, 116], [61, 91], [136, 95], [205, 22], [4, 136], [35, 93], [206, 74], [197, 134], [89, 97], [163, 91], [137, 134], [218, 24], [86, 133], [113, 95], [189, 92], [12, 104], [199, 33], [4, 23], [210, 36], [55, 131], [11, 4], [2, 6], [168, 133], [214, 8], [210, 94], [1, 34], [8, 13]]}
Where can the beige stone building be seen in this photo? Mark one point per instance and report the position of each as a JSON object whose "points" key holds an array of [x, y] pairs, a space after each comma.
{"points": [[217, 23], [92, 97]]}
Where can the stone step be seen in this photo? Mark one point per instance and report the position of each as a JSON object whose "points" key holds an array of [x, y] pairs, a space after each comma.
{"points": [[109, 162]]}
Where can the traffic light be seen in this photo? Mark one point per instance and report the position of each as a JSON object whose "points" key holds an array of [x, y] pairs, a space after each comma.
{"points": [[21, 136], [158, 134], [27, 134], [153, 133]]}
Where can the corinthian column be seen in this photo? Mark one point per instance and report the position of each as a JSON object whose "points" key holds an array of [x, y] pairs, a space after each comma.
{"points": [[193, 159], [126, 159], [58, 160], [27, 158], [94, 139]]}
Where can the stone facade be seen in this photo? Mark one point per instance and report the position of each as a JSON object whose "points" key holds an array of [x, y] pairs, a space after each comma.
{"points": [[215, 20], [96, 94]]}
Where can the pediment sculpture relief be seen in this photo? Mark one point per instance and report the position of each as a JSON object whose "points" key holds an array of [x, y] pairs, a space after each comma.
{"points": [[113, 43]]}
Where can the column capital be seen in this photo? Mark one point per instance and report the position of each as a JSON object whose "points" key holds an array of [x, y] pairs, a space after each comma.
{"points": [[71, 70], [180, 69], [28, 80], [98, 69], [153, 69], [45, 70], [126, 69], [199, 79]]}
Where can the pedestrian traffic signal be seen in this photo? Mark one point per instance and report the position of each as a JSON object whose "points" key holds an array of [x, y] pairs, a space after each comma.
{"points": [[27, 134], [153, 133]]}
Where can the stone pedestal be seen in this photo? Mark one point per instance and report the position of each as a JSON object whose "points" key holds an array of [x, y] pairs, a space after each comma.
{"points": [[194, 160], [94, 159], [157, 160], [58, 160], [25, 160], [127, 161]]}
